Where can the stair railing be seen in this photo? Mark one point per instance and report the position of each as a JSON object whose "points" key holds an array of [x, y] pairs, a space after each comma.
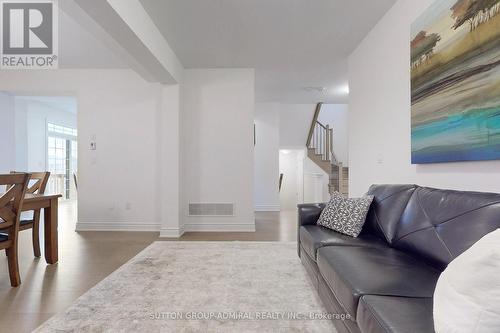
{"points": [[320, 138], [322, 141], [313, 124]]}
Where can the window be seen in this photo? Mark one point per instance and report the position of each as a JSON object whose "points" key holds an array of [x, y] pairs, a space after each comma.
{"points": [[62, 159], [61, 129], [57, 155], [74, 156]]}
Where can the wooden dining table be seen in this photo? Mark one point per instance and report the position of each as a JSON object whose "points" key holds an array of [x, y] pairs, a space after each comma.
{"points": [[49, 203]]}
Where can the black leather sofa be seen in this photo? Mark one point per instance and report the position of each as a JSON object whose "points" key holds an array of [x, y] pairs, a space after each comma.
{"points": [[384, 280]]}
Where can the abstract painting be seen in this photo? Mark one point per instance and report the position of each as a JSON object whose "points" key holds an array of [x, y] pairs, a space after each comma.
{"points": [[455, 82]]}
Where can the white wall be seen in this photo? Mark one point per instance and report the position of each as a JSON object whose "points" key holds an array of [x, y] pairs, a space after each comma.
{"points": [[295, 121], [266, 173], [217, 159], [7, 133], [379, 114], [21, 129], [316, 182], [119, 109], [336, 116], [150, 159]]}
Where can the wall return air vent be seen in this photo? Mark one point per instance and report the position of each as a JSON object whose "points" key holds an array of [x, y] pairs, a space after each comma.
{"points": [[211, 209]]}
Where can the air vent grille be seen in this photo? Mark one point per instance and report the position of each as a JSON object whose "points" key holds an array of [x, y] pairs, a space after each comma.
{"points": [[211, 209]]}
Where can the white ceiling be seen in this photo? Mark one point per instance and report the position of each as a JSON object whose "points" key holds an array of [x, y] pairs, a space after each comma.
{"points": [[292, 44]]}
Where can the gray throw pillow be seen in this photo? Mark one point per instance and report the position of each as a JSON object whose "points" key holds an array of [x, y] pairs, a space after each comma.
{"points": [[345, 215]]}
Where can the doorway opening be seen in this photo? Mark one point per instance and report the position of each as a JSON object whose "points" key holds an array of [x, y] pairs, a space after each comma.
{"points": [[301, 180], [291, 163], [46, 139]]}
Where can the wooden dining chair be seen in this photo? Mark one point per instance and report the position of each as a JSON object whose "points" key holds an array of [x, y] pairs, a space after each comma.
{"points": [[31, 219], [11, 203]]}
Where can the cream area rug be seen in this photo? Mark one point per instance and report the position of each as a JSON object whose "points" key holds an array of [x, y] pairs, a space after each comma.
{"points": [[201, 287]]}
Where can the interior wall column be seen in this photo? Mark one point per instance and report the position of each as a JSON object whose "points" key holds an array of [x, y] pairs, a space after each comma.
{"points": [[169, 159]]}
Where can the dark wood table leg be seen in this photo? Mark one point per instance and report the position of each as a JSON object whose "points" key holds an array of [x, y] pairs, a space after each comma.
{"points": [[50, 232]]}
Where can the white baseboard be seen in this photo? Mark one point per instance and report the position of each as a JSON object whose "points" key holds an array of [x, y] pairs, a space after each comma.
{"points": [[219, 227], [171, 232], [117, 226], [267, 208], [165, 232], [205, 227]]}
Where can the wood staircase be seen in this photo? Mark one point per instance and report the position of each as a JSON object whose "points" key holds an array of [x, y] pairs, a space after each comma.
{"points": [[320, 151]]}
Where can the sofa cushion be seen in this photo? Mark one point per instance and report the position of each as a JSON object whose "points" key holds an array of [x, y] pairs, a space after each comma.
{"points": [[352, 272], [439, 225], [26, 218], [385, 211], [383, 314], [313, 237], [345, 215]]}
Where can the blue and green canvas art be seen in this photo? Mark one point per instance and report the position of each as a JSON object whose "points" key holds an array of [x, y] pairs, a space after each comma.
{"points": [[455, 82]]}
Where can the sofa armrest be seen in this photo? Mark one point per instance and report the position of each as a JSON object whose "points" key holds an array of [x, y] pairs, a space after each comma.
{"points": [[308, 215]]}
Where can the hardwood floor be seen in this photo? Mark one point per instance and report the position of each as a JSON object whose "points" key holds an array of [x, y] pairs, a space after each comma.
{"points": [[86, 258], [270, 226]]}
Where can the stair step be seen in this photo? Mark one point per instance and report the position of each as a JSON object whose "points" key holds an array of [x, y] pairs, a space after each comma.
{"points": [[339, 176]]}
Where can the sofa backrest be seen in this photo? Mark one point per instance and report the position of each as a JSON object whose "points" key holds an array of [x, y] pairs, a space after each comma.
{"points": [[387, 207], [439, 225]]}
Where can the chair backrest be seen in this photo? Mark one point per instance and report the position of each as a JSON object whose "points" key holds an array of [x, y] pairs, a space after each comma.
{"points": [[11, 201], [41, 179]]}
